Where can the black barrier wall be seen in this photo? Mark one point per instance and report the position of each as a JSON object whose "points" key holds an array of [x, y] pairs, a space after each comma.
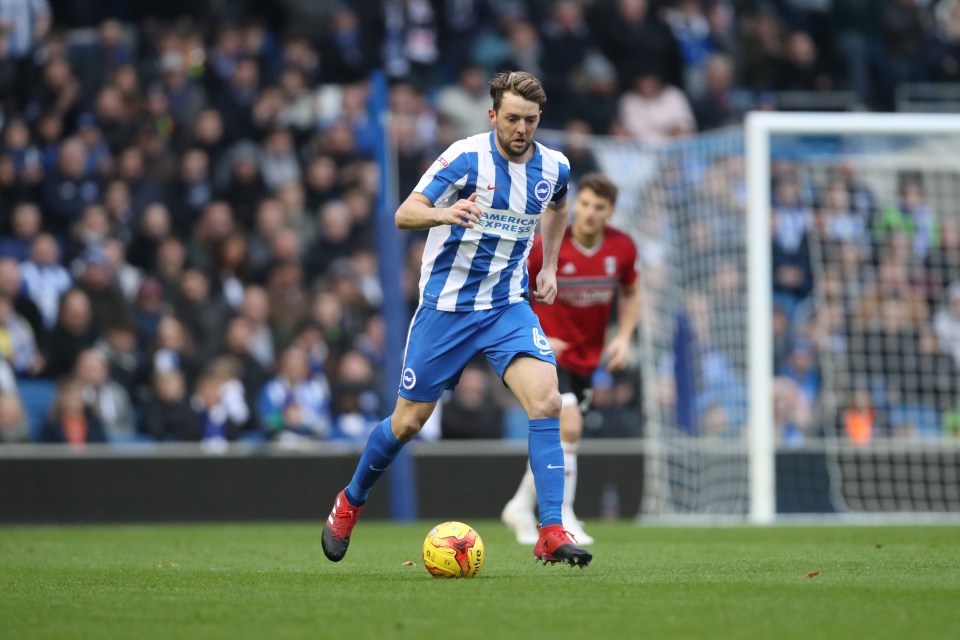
{"points": [[147, 488], [50, 484]]}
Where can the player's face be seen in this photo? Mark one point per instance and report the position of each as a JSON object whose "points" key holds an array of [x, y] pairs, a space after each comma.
{"points": [[515, 123], [590, 213]]}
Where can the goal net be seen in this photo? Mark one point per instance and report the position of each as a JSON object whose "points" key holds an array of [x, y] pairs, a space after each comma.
{"points": [[841, 395]]}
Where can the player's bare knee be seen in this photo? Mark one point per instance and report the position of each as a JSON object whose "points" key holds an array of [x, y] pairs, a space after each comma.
{"points": [[546, 406], [405, 427]]}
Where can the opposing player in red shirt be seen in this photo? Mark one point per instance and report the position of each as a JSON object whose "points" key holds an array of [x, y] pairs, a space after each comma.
{"points": [[595, 261]]}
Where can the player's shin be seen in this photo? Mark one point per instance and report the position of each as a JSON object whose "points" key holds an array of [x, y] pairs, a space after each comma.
{"points": [[546, 461], [382, 448]]}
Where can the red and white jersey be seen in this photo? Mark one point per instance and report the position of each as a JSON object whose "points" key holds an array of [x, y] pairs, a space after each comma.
{"points": [[587, 280]]}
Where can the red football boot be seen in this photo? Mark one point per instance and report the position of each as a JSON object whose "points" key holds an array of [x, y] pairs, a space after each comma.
{"points": [[336, 532], [557, 545]]}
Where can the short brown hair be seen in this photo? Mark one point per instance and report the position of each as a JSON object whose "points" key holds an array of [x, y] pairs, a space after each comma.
{"points": [[600, 185], [521, 83]]}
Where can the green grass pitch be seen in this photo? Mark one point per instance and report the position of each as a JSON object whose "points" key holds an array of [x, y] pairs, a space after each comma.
{"points": [[271, 581]]}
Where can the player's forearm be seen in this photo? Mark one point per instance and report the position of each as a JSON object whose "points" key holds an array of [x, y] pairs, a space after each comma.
{"points": [[415, 214], [629, 312], [552, 226]]}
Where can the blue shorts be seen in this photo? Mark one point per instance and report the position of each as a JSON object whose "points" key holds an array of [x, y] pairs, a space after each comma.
{"points": [[441, 343]]}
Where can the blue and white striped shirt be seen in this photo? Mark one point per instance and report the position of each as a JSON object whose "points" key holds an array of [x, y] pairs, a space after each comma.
{"points": [[485, 267]]}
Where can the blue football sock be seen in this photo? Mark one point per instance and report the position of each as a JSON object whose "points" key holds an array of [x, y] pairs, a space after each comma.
{"points": [[382, 447], [546, 462]]}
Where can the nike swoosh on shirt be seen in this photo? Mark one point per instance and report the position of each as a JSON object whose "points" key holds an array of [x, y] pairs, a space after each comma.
{"points": [[492, 187]]}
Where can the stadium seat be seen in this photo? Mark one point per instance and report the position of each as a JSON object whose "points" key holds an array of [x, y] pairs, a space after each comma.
{"points": [[37, 397]]}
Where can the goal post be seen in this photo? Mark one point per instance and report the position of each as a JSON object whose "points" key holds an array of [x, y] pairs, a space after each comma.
{"points": [[760, 127]]}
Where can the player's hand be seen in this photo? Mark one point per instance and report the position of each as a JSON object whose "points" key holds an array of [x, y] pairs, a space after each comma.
{"points": [[558, 346], [546, 291], [616, 353], [464, 213]]}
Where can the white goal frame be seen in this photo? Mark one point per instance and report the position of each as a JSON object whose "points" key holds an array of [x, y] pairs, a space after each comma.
{"points": [[760, 127]]}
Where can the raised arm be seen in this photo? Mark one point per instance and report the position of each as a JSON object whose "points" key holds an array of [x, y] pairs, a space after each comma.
{"points": [[417, 212]]}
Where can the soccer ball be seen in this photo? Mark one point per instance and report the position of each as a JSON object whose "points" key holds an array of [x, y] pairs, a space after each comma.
{"points": [[453, 550]]}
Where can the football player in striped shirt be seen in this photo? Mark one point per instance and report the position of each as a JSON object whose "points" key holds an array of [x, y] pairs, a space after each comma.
{"points": [[482, 201], [596, 263]]}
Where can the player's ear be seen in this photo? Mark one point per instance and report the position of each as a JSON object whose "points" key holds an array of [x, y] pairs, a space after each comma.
{"points": [[492, 115]]}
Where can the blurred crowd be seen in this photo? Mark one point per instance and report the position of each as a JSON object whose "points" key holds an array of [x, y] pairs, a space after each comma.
{"points": [[187, 190]]}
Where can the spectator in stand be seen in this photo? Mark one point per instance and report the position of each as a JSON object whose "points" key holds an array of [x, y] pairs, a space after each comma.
{"points": [[153, 227], [57, 89], [172, 350], [24, 229], [243, 187], [295, 403], [279, 164], [911, 215], [67, 189], [167, 416], [854, 25], [467, 102], [905, 39], [208, 136], [943, 263], [470, 410], [232, 270], [256, 310], [333, 240], [107, 401], [250, 372], [216, 224], [91, 230], [792, 221], [356, 397], [235, 100], [143, 190], [216, 426], [203, 313], [688, 22], [26, 163], [185, 97], [567, 43], [44, 279], [946, 322], [292, 198], [792, 412], [97, 279], [71, 420], [11, 286], [802, 69], [289, 302], [631, 36], [114, 122], [25, 24], [349, 47], [721, 104], [119, 346], [18, 346], [14, 426], [654, 112], [762, 49], [191, 192]]}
